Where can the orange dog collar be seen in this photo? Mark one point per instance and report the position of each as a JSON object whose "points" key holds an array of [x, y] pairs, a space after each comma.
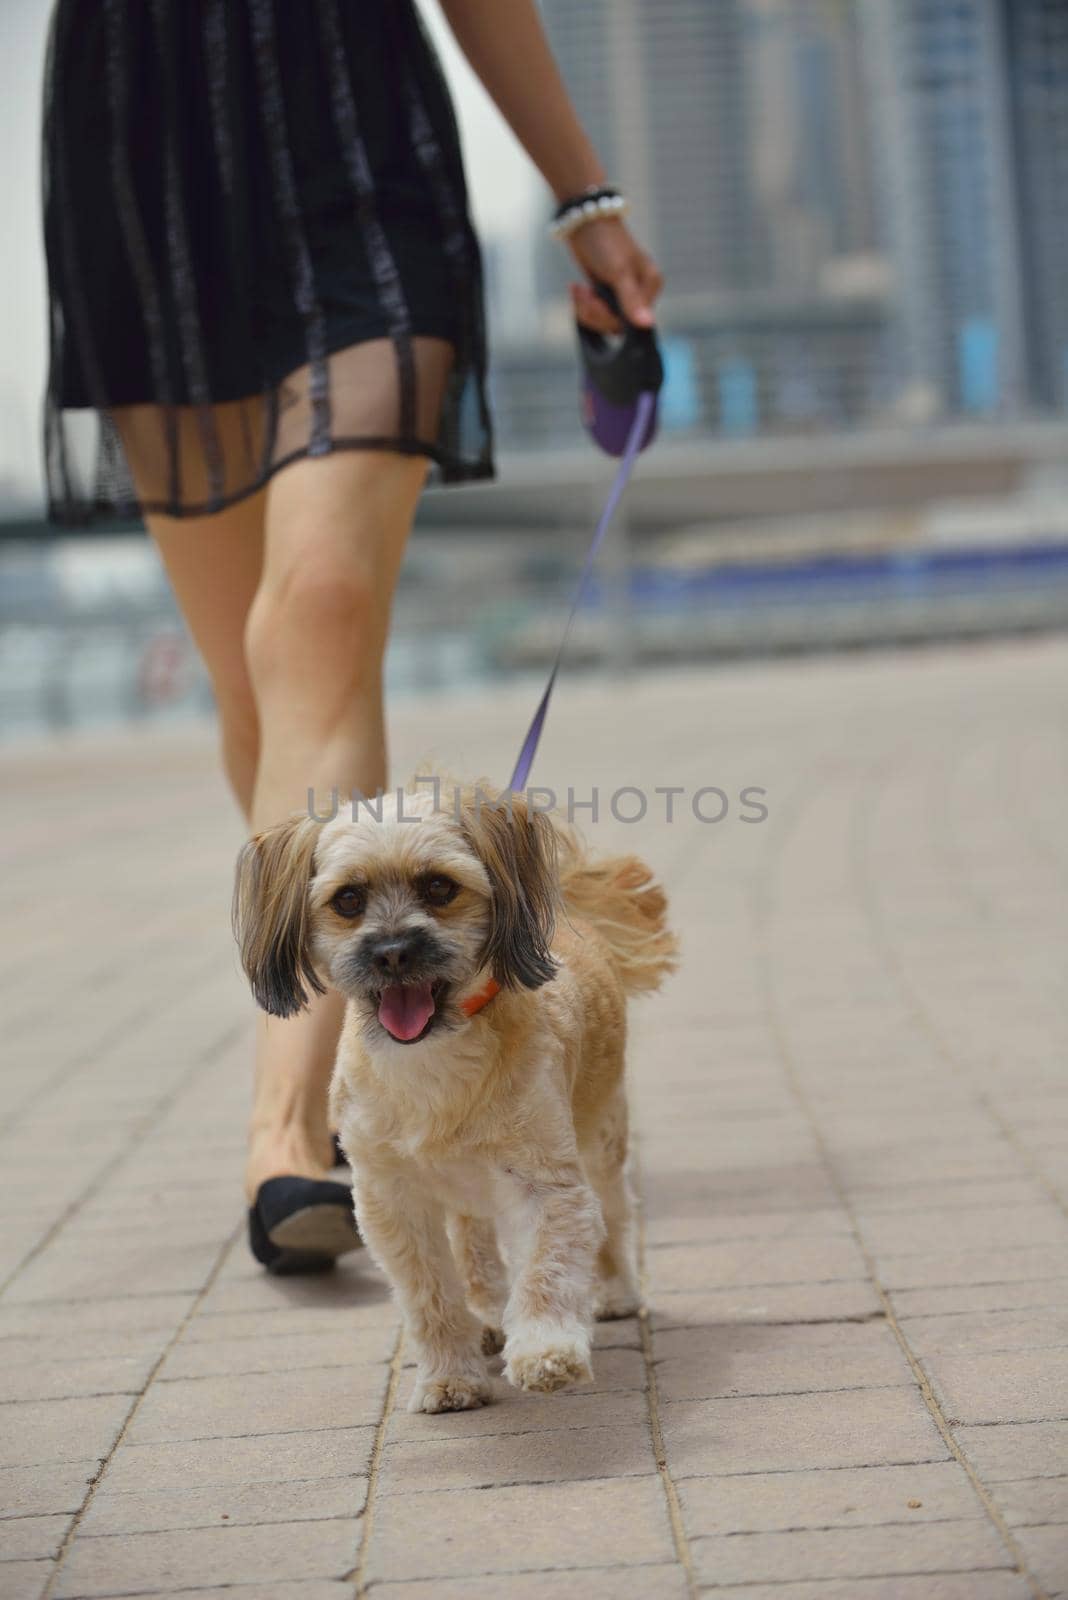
{"points": [[475, 1002]]}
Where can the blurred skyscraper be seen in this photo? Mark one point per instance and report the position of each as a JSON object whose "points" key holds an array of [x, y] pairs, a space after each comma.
{"points": [[942, 104], [1037, 54], [971, 106], [859, 205], [737, 127], [738, 130]]}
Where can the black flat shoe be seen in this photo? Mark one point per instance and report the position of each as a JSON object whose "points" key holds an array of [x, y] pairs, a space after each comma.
{"points": [[301, 1224]]}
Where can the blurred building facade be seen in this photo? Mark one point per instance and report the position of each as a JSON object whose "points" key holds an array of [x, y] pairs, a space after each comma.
{"points": [[858, 205], [1036, 44]]}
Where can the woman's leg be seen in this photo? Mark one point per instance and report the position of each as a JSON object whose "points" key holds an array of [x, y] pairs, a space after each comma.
{"points": [[287, 596], [314, 641], [214, 565]]}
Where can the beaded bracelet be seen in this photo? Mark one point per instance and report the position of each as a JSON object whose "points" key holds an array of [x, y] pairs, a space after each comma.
{"points": [[598, 201]]}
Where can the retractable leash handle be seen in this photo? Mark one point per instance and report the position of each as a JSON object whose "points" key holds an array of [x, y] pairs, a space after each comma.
{"points": [[615, 372], [620, 385]]}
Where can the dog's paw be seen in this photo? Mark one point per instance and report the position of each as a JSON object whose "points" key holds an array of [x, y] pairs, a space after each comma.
{"points": [[614, 1299], [492, 1341], [437, 1394], [551, 1365]]}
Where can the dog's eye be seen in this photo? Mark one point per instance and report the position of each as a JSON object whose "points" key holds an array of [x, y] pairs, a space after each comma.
{"points": [[439, 890], [350, 901]]}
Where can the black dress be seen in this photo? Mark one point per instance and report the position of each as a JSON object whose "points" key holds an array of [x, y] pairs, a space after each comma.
{"points": [[258, 249]]}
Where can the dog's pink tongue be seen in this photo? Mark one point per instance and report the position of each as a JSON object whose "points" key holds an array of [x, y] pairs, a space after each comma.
{"points": [[405, 1009]]}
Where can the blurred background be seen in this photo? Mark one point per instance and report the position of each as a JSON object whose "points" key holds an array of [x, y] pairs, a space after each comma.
{"points": [[859, 206]]}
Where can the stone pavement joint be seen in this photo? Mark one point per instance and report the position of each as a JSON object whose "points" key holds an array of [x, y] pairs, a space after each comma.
{"points": [[671, 1493], [851, 1114], [357, 1575]]}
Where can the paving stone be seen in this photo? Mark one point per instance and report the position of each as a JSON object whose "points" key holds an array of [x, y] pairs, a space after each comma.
{"points": [[955, 1585], [293, 1322], [1046, 1550], [62, 1380], [515, 1413], [763, 1185], [702, 1227], [308, 1499], [877, 1552], [1016, 1386], [987, 1227], [31, 1492], [780, 1433], [39, 1432], [941, 1268], [1031, 1294], [553, 1455], [299, 1589], [758, 1261], [791, 1302], [68, 1271], [615, 1368], [1015, 1450], [32, 1538], [842, 1497], [110, 1207], [905, 1164], [622, 1333], [260, 1402], [618, 1521], [348, 1288], [924, 1198], [701, 1364], [1039, 1329], [24, 1580], [121, 1315], [62, 1345], [1030, 1502], [129, 1563], [645, 1582], [914, 1128], [230, 1463], [281, 1353]]}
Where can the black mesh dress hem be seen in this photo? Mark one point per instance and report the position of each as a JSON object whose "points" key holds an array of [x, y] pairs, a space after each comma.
{"points": [[259, 251], [67, 513]]}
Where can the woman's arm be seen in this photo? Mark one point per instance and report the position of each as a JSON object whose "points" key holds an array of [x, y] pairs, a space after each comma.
{"points": [[506, 45]]}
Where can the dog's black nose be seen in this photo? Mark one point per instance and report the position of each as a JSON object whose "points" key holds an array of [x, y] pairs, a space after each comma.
{"points": [[395, 958]]}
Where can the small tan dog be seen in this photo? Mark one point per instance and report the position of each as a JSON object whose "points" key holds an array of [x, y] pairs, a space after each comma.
{"points": [[478, 1090]]}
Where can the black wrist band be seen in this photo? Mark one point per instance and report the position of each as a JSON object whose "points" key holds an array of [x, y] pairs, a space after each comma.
{"points": [[598, 203], [594, 192]]}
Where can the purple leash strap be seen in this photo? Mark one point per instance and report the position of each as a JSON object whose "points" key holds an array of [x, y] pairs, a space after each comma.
{"points": [[642, 413]]}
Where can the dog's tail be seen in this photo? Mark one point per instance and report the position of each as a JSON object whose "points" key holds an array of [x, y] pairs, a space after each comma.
{"points": [[619, 896]]}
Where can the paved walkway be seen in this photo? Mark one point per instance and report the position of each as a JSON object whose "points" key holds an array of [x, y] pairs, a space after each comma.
{"points": [[853, 1115]]}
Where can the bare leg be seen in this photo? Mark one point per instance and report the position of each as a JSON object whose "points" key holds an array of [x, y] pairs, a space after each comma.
{"points": [[474, 1243], [214, 565], [405, 1233], [287, 595], [314, 641]]}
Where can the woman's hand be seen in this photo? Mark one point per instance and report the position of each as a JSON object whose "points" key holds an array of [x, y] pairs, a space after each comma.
{"points": [[607, 251]]}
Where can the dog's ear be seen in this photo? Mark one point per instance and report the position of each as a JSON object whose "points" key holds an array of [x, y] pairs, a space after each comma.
{"points": [[270, 914], [517, 847]]}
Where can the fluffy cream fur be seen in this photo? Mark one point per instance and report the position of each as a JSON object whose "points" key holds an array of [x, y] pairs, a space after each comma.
{"points": [[488, 1154]]}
